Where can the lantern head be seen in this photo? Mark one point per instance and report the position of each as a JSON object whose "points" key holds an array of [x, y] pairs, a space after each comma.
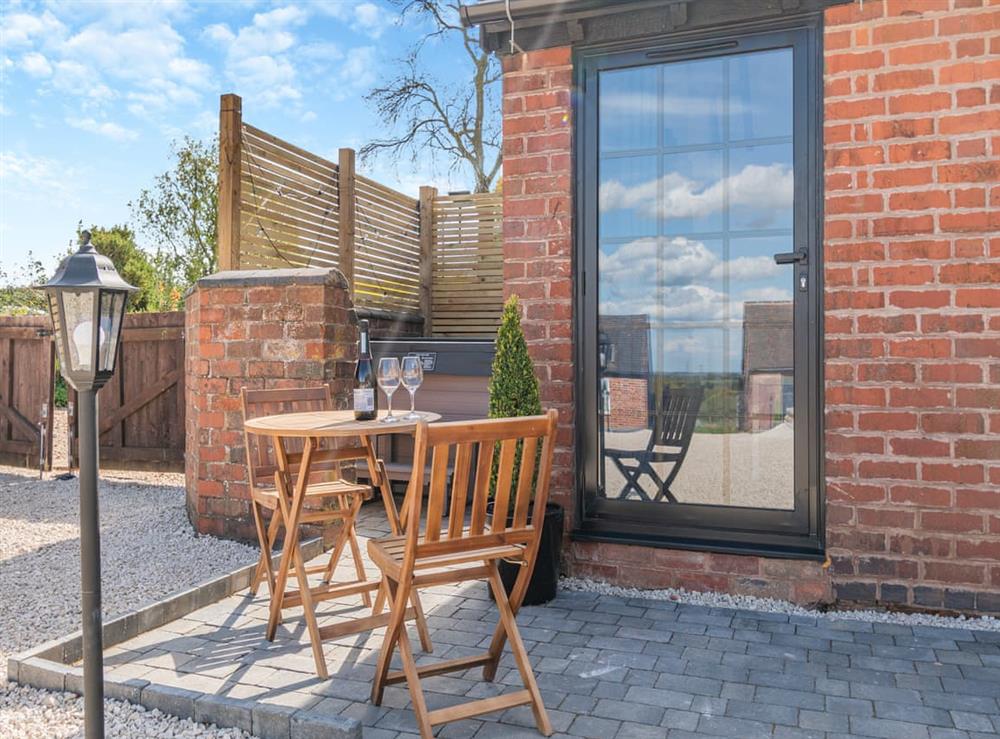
{"points": [[87, 300]]}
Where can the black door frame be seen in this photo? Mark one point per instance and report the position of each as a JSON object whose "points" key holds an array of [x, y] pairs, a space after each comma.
{"points": [[798, 533]]}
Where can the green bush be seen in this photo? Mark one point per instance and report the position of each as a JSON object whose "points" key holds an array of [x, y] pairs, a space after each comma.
{"points": [[513, 385]]}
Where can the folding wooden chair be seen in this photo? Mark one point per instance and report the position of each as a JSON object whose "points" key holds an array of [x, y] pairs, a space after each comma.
{"points": [[668, 442], [450, 552], [328, 496]]}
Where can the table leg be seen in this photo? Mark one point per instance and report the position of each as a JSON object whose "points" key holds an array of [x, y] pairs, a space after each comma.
{"points": [[376, 473], [291, 555]]}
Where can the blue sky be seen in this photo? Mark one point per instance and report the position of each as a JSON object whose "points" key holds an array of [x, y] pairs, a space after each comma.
{"points": [[93, 93]]}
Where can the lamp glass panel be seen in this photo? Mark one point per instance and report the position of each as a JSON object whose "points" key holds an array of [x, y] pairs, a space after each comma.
{"points": [[58, 327], [78, 313], [112, 308]]}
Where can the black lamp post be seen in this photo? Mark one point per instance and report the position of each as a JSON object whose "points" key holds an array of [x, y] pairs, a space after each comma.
{"points": [[87, 300]]}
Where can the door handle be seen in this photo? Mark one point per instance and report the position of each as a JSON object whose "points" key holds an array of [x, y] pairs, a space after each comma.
{"points": [[799, 256]]}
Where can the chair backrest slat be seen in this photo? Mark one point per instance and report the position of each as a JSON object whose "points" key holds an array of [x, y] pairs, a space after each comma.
{"points": [[505, 478], [459, 489], [481, 489], [438, 491], [677, 415], [526, 479], [527, 484]]}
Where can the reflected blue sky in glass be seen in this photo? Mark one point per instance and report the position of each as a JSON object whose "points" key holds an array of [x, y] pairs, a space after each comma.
{"points": [[628, 106], [696, 159], [693, 102], [760, 95]]}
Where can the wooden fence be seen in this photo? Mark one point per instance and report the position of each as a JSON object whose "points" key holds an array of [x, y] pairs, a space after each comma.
{"points": [[141, 409], [27, 366], [281, 206], [467, 264]]}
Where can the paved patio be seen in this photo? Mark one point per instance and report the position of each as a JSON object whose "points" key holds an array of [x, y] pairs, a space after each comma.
{"points": [[609, 668]]}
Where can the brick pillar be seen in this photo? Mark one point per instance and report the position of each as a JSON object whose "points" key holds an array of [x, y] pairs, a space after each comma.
{"points": [[537, 174], [913, 304], [254, 329]]}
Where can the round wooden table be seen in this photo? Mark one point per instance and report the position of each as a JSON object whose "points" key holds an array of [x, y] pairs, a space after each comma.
{"points": [[311, 427]]}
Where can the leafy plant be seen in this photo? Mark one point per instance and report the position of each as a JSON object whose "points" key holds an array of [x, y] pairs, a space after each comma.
{"points": [[513, 386], [18, 296], [178, 213]]}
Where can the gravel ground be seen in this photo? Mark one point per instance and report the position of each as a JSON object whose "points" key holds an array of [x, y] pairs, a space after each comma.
{"points": [[149, 551], [741, 469], [770, 605]]}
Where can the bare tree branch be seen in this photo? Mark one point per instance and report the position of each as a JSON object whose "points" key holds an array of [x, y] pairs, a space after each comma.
{"points": [[459, 121]]}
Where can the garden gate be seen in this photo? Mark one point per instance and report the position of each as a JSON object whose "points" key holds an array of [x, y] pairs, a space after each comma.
{"points": [[27, 366], [141, 409]]}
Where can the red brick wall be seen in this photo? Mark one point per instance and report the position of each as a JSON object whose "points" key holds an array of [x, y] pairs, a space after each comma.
{"points": [[629, 403], [913, 331], [286, 328], [913, 328], [537, 175]]}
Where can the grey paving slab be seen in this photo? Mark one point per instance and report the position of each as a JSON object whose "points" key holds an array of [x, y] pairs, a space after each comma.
{"points": [[608, 668]]}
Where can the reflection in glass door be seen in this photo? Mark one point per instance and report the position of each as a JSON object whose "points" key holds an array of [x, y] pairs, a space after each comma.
{"points": [[695, 316]]}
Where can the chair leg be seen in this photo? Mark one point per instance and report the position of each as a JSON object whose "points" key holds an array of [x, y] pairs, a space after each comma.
{"points": [[264, 568], [397, 617], [309, 612], [400, 597], [352, 539], [338, 549], [499, 634], [509, 625], [274, 527], [422, 631]]}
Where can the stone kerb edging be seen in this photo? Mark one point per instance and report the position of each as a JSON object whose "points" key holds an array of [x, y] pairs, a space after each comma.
{"points": [[50, 666]]}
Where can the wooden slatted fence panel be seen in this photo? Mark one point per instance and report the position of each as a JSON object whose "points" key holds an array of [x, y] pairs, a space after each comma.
{"points": [[467, 291], [289, 207], [297, 209], [386, 248], [27, 370], [141, 409]]}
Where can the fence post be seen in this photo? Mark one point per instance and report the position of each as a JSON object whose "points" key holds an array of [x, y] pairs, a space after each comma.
{"points": [[230, 162], [427, 195], [348, 208]]}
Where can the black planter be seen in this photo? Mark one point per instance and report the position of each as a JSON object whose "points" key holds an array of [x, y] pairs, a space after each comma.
{"points": [[545, 578]]}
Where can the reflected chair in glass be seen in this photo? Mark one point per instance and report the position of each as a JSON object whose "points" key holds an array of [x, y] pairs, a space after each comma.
{"points": [[329, 497], [447, 551], [673, 427]]}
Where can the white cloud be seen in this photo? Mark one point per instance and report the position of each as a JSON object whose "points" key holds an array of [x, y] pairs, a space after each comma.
{"points": [[681, 279], [766, 294], [258, 56], [365, 17], [107, 129], [746, 268], [23, 29], [36, 64], [358, 71], [767, 187], [74, 78], [25, 176], [115, 50], [219, 33], [372, 19]]}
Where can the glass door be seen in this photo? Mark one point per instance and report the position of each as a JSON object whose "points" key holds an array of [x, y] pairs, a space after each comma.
{"points": [[701, 343]]}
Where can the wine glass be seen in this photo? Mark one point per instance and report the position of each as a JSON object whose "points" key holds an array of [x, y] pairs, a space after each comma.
{"points": [[388, 380], [413, 375]]}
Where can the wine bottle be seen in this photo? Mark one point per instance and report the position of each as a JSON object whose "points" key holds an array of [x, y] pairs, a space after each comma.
{"points": [[365, 397]]}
